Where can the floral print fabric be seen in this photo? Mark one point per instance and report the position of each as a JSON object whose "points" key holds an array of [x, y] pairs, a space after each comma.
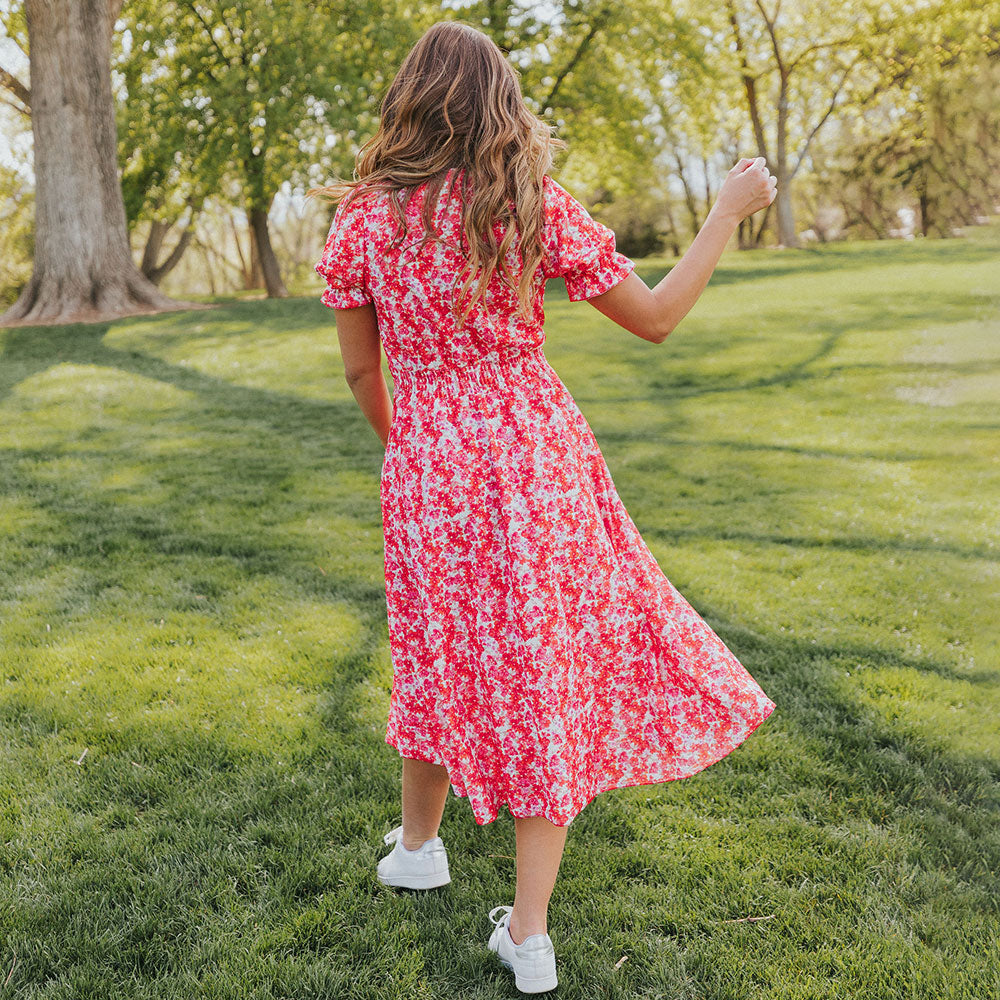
{"points": [[539, 652]]}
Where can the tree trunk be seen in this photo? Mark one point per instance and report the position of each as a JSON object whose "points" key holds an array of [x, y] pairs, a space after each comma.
{"points": [[255, 274], [787, 236], [688, 195], [154, 241], [754, 237], [268, 262], [925, 210], [246, 267], [671, 238], [83, 267], [744, 233]]}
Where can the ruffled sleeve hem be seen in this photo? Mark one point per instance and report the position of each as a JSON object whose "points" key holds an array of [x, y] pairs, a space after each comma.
{"points": [[343, 262], [344, 298], [601, 276], [579, 249]]}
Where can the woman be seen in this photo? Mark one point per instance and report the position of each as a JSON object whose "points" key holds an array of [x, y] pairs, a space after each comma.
{"points": [[540, 656]]}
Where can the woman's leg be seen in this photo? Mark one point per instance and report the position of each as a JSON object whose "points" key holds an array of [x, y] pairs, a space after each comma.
{"points": [[539, 851], [425, 791]]}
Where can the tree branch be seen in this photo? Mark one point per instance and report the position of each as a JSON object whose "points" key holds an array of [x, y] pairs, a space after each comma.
{"points": [[749, 83], [774, 38], [827, 113], [17, 107], [598, 22], [837, 42], [18, 89]]}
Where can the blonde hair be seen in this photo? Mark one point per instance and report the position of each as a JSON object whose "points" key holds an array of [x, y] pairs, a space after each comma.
{"points": [[456, 102]]}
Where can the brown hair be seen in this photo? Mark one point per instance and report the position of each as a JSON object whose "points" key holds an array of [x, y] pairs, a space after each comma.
{"points": [[456, 103]]}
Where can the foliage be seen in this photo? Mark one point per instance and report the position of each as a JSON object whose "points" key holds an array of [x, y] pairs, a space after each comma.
{"points": [[17, 241], [887, 105], [927, 132], [590, 68], [256, 94]]}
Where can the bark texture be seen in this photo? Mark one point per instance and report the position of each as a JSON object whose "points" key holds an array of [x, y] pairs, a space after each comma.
{"points": [[83, 267]]}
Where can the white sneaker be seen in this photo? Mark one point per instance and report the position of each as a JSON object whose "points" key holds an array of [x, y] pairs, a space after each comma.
{"points": [[424, 868], [533, 961]]}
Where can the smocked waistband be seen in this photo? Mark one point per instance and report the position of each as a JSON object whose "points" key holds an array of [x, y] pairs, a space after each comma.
{"points": [[497, 365]]}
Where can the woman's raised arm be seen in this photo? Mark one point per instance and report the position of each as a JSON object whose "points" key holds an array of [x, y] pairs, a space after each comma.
{"points": [[653, 313]]}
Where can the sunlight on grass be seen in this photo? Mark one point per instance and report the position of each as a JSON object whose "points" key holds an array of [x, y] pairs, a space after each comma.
{"points": [[948, 710], [249, 679], [68, 402], [297, 357]]}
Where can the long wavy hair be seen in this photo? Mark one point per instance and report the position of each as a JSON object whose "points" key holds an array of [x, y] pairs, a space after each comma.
{"points": [[456, 104]]}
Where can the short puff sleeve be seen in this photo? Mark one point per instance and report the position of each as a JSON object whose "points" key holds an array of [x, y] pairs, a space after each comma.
{"points": [[579, 249], [343, 263]]}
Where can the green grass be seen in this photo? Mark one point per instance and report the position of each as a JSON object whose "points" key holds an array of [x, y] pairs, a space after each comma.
{"points": [[195, 669]]}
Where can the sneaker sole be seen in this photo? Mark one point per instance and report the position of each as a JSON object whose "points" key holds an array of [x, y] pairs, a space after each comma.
{"points": [[531, 985], [417, 881]]}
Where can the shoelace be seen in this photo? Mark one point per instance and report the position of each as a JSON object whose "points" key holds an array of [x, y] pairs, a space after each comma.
{"points": [[504, 917], [396, 834]]}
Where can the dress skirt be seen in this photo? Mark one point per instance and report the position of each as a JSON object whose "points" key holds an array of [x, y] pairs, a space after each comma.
{"points": [[539, 652]]}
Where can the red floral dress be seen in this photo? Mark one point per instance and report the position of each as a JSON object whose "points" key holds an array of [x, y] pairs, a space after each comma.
{"points": [[539, 652]]}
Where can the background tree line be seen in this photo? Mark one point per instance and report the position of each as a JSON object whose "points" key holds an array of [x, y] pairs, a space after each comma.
{"points": [[171, 140]]}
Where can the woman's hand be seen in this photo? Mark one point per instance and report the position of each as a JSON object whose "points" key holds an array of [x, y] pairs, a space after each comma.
{"points": [[748, 187]]}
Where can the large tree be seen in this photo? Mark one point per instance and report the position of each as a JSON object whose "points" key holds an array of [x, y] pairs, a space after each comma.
{"points": [[934, 101], [83, 267]]}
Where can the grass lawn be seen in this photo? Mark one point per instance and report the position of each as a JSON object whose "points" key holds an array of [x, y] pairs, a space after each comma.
{"points": [[194, 782]]}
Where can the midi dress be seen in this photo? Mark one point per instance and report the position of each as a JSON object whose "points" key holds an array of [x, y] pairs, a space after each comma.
{"points": [[539, 653]]}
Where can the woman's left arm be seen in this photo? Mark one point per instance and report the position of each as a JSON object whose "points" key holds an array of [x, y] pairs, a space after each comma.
{"points": [[361, 349]]}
